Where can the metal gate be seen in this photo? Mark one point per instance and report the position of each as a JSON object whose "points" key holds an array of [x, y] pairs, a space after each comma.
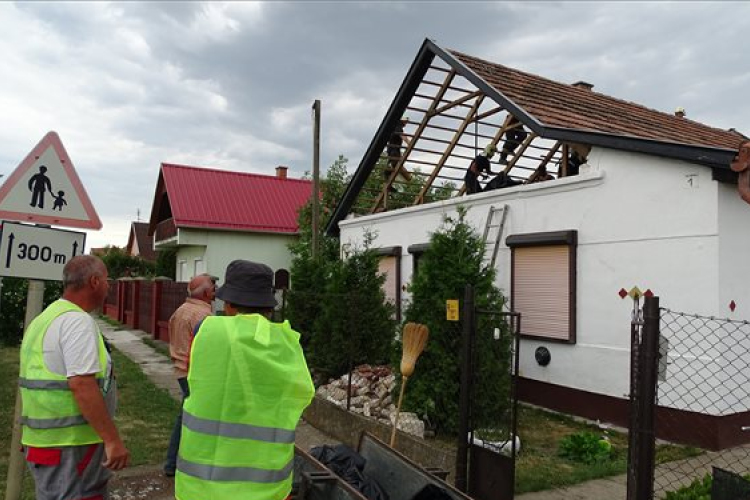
{"points": [[699, 368], [485, 462]]}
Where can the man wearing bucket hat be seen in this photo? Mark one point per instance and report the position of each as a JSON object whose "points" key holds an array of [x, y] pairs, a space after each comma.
{"points": [[249, 384]]}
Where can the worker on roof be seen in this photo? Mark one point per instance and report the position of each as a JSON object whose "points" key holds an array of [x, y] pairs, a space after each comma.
{"points": [[515, 134], [480, 165]]}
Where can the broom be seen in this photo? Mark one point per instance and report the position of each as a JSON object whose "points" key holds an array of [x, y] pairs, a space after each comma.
{"points": [[414, 340]]}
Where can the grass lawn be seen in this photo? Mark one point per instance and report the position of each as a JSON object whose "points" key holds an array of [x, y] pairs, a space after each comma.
{"points": [[540, 468], [145, 415]]}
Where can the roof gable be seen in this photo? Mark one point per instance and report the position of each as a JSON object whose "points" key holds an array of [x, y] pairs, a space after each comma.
{"points": [[218, 199], [139, 242], [458, 104]]}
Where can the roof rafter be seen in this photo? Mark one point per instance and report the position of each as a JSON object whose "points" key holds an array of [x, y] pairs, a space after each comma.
{"points": [[449, 150], [415, 137]]}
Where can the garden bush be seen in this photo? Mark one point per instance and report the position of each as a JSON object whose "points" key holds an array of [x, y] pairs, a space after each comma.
{"points": [[585, 447], [13, 306], [337, 305]]}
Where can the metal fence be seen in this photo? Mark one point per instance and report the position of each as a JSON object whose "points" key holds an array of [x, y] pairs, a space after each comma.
{"points": [[690, 385], [703, 395], [486, 461]]}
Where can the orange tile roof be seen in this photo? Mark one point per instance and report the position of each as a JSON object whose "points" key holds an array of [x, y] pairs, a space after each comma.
{"points": [[560, 105]]}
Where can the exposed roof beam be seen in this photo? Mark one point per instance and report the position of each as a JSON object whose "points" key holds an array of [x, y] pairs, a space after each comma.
{"points": [[420, 128], [457, 102], [449, 150]]}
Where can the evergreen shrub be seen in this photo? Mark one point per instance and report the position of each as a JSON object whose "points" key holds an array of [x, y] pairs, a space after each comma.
{"points": [[452, 260]]}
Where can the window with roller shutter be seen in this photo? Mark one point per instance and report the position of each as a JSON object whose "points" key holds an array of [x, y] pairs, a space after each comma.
{"points": [[390, 266], [543, 283]]}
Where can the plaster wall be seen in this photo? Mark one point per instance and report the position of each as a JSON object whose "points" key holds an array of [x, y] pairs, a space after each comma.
{"points": [[219, 248], [641, 220]]}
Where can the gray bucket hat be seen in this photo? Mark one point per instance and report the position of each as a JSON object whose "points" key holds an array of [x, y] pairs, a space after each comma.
{"points": [[248, 284]]}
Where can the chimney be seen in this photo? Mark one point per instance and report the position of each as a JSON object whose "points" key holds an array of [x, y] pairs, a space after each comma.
{"points": [[583, 85], [679, 112], [281, 172]]}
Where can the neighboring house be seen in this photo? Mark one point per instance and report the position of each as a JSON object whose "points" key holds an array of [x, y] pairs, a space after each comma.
{"points": [[140, 244], [213, 217], [639, 197]]}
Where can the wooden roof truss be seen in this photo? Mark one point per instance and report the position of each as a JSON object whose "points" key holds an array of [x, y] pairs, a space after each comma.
{"points": [[448, 122]]}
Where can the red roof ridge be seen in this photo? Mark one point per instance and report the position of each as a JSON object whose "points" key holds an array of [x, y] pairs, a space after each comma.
{"points": [[234, 172]]}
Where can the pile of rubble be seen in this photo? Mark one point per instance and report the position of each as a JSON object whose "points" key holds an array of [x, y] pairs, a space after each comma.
{"points": [[371, 396]]}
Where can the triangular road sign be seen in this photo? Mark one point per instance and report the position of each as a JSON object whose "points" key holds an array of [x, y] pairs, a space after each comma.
{"points": [[45, 189]]}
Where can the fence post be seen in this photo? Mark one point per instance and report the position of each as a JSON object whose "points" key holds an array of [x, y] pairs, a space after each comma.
{"points": [[649, 361], [136, 297], [633, 407], [121, 301], [644, 361], [467, 335], [155, 308]]}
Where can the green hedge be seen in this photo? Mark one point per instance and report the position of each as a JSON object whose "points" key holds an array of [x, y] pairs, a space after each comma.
{"points": [[13, 306]]}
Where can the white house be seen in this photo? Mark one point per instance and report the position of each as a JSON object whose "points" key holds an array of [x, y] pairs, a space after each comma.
{"points": [[638, 198]]}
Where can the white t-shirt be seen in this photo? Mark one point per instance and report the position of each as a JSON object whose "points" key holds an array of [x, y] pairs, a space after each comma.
{"points": [[71, 345]]}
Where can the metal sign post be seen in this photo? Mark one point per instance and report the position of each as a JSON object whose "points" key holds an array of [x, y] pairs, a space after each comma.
{"points": [[34, 305]]}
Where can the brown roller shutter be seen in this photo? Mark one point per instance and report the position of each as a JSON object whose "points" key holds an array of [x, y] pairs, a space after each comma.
{"points": [[542, 290]]}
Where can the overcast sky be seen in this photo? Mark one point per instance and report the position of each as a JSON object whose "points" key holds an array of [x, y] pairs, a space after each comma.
{"points": [[130, 85]]}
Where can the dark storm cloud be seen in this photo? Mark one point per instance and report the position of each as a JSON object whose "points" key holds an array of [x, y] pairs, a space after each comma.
{"points": [[129, 85]]}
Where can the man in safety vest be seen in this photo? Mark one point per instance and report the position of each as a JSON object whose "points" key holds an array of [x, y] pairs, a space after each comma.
{"points": [[249, 384], [68, 392]]}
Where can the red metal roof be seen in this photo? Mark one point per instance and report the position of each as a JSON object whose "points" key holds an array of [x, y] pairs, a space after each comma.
{"points": [[208, 198]]}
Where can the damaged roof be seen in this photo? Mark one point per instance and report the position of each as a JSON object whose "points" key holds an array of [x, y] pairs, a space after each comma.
{"points": [[457, 104]]}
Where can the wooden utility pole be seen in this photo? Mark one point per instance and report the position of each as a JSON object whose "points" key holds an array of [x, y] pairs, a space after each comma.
{"points": [[34, 306], [316, 178]]}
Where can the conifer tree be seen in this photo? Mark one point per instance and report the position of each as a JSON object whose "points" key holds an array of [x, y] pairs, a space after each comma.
{"points": [[452, 260]]}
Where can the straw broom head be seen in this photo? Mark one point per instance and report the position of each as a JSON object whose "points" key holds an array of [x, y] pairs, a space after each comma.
{"points": [[414, 339]]}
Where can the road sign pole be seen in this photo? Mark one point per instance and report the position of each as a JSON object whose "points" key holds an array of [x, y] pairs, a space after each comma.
{"points": [[34, 305]]}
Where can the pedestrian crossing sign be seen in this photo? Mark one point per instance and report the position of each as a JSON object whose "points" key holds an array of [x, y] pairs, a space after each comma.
{"points": [[45, 189]]}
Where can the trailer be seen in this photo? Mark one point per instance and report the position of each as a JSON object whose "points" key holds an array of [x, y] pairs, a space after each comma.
{"points": [[399, 477]]}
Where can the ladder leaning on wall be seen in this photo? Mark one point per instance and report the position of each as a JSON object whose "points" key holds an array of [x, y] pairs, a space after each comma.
{"points": [[493, 232]]}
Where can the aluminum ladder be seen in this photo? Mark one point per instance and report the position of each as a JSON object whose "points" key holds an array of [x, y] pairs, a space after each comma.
{"points": [[493, 231]]}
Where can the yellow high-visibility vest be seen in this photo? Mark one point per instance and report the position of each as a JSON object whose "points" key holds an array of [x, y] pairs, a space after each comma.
{"points": [[50, 415], [249, 385]]}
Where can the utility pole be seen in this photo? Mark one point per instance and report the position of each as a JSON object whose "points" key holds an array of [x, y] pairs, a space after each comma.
{"points": [[316, 178]]}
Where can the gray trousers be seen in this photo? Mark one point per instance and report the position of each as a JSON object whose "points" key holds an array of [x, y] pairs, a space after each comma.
{"points": [[79, 475]]}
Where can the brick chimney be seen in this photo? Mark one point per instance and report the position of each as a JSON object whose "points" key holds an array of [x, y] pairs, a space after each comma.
{"points": [[679, 112], [281, 171], [583, 85]]}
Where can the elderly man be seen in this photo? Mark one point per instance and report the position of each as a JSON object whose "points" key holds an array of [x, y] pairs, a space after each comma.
{"points": [[182, 324], [249, 384], [68, 391]]}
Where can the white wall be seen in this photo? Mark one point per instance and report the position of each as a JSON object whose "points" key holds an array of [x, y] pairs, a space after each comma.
{"points": [[641, 220]]}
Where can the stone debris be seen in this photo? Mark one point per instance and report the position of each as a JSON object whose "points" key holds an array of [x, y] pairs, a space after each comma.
{"points": [[371, 396]]}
